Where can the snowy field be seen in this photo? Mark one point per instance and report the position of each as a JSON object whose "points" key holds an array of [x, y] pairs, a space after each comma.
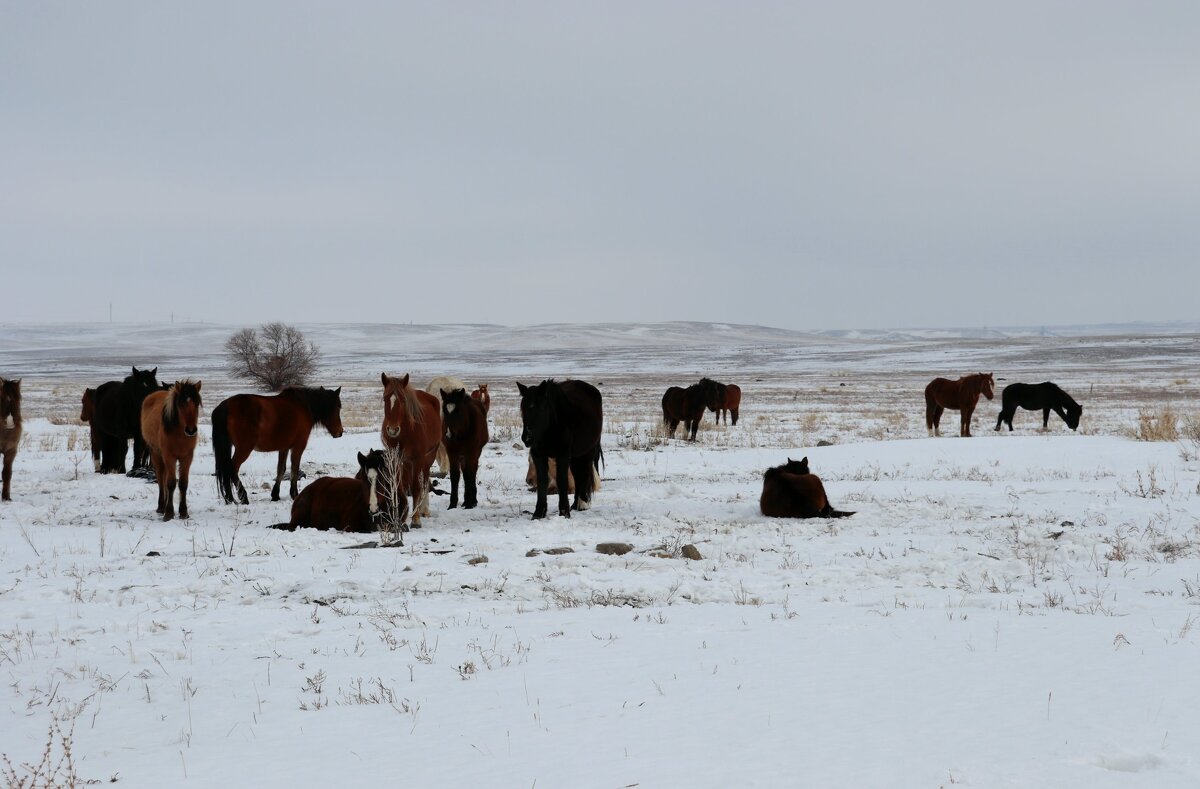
{"points": [[1012, 610]]}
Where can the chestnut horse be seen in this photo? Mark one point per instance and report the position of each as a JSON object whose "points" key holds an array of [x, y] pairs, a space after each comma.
{"points": [[791, 491], [960, 395], [412, 425], [169, 428], [10, 431], [482, 397], [280, 423], [684, 405], [466, 435], [344, 503]]}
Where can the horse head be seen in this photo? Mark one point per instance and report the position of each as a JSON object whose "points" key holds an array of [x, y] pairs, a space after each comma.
{"points": [[182, 407], [714, 394], [797, 466], [88, 406], [331, 410], [1073, 412], [142, 383], [987, 385], [10, 402], [397, 402], [454, 410], [539, 408], [373, 469]]}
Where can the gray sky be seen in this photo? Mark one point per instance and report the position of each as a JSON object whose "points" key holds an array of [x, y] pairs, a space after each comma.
{"points": [[798, 165]]}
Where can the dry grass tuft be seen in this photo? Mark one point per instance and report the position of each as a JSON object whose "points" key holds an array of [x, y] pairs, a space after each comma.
{"points": [[1160, 425]]}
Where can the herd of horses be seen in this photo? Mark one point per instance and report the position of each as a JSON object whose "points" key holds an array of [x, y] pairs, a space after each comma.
{"points": [[561, 427]]}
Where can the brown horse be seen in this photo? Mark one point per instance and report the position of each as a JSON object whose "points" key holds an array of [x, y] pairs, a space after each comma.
{"points": [[960, 395], [280, 423], [435, 387], [412, 425], [10, 431], [169, 428], [723, 400], [482, 397], [791, 491], [684, 405], [344, 503], [466, 436]]}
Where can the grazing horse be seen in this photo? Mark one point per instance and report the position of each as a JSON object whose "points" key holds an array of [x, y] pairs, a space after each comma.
{"points": [[345, 503], [449, 383], [280, 423], [791, 491], [1045, 397], [481, 395], [684, 405], [412, 425], [118, 417], [169, 426], [961, 395], [723, 400], [466, 435], [563, 420], [10, 431]]}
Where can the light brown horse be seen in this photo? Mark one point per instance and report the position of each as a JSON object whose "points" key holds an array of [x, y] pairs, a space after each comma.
{"points": [[169, 428], [280, 423], [412, 425], [10, 430], [960, 395]]}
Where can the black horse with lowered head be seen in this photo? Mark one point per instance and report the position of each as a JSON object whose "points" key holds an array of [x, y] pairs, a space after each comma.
{"points": [[1044, 397], [563, 420]]}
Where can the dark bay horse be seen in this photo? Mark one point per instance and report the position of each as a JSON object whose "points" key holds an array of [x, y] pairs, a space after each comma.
{"points": [[723, 400], [117, 417], [684, 405], [466, 435], [791, 491], [563, 420], [355, 504], [960, 395], [1044, 397], [170, 428], [10, 432], [280, 423], [412, 425]]}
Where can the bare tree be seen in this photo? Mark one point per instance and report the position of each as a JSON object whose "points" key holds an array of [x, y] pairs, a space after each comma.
{"points": [[274, 356]]}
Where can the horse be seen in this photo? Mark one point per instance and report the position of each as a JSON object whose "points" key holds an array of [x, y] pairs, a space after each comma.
{"points": [[563, 420], [117, 418], [412, 425], [961, 395], [466, 435], [435, 387], [1045, 397], [281, 423], [481, 395], [86, 412], [791, 491], [684, 405], [10, 431], [355, 504], [169, 427], [552, 474], [723, 400]]}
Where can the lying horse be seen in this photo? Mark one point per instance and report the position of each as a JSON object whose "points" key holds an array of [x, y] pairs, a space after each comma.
{"points": [[960, 395], [1045, 397], [790, 491], [563, 420], [684, 405], [345, 503], [10, 432], [465, 437]]}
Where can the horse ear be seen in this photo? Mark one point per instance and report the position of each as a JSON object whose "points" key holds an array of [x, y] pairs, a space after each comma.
{"points": [[338, 391], [362, 459], [135, 369], [384, 378], [404, 380], [154, 371], [523, 388], [789, 461], [445, 394], [804, 459], [198, 384]]}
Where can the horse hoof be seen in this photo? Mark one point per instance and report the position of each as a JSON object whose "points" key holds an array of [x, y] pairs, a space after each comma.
{"points": [[537, 516], [564, 513], [453, 505], [168, 516], [470, 505]]}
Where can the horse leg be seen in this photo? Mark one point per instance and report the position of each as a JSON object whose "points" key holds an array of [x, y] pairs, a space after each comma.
{"points": [[734, 413], [280, 469], [6, 475], [583, 470], [185, 465], [965, 428], [455, 473], [541, 465], [167, 483], [294, 490], [240, 453], [1046, 419], [563, 469], [161, 480], [470, 497], [96, 444]]}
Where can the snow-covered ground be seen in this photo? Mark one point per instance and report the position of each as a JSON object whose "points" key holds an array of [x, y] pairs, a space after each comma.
{"points": [[1010, 610]]}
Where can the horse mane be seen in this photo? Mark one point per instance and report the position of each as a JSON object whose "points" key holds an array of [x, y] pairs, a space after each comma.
{"points": [[972, 384], [317, 400], [184, 388], [412, 405]]}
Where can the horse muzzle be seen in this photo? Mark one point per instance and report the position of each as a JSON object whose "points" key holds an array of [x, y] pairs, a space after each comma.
{"points": [[392, 432], [525, 438], [190, 432]]}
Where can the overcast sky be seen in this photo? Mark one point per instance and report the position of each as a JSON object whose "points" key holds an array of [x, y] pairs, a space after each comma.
{"points": [[802, 165]]}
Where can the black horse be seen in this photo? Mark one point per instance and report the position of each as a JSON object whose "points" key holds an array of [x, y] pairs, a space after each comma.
{"points": [[563, 420], [117, 418], [684, 405], [1044, 397]]}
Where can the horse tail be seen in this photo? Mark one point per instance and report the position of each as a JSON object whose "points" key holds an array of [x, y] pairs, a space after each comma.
{"points": [[223, 452], [285, 526], [597, 461], [830, 512]]}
